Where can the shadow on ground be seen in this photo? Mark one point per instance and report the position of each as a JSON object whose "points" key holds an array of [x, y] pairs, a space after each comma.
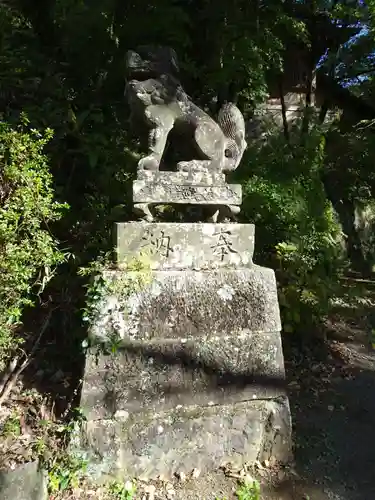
{"points": [[333, 411]]}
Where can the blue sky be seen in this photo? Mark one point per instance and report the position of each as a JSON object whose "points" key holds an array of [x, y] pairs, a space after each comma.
{"points": [[371, 58]]}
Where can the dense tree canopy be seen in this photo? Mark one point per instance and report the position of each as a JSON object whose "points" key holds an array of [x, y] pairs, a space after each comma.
{"points": [[309, 186]]}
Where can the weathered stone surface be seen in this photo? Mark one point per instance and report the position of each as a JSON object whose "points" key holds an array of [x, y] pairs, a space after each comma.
{"points": [[189, 304], [27, 482], [186, 246], [145, 191], [196, 175], [197, 378], [160, 376], [158, 100], [185, 438]]}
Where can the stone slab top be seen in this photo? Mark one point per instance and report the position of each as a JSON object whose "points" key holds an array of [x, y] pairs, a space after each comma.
{"points": [[150, 191], [186, 245], [196, 177]]}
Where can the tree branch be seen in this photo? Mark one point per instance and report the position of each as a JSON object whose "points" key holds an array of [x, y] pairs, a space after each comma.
{"points": [[283, 112], [11, 375], [357, 75]]}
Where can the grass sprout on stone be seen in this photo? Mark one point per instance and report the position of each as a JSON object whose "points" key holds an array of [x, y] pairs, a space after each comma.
{"points": [[66, 468], [249, 490], [66, 472], [122, 491]]}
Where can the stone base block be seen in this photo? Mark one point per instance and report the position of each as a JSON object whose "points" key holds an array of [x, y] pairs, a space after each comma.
{"points": [[164, 443], [26, 482], [162, 375], [188, 304]]}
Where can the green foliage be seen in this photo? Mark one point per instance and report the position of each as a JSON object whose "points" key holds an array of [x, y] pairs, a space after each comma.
{"points": [[66, 472], [82, 100], [66, 468], [62, 66], [297, 231], [97, 286], [28, 251], [122, 491], [102, 284], [47, 442], [11, 426], [249, 490]]}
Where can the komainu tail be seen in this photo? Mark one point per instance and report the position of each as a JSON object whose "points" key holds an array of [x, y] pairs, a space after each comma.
{"points": [[232, 123]]}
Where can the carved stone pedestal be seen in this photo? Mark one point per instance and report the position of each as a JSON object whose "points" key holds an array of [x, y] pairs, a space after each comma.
{"points": [[192, 186], [197, 377], [199, 188]]}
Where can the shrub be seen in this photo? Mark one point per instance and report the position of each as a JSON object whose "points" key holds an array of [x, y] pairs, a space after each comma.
{"points": [[28, 250], [297, 231]]}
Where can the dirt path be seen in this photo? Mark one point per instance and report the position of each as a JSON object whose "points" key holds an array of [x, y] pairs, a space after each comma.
{"points": [[334, 421]]}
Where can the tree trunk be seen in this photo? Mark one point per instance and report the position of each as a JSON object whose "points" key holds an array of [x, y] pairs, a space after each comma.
{"points": [[345, 209]]}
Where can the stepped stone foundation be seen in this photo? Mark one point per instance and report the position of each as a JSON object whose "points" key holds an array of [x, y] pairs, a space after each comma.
{"points": [[196, 379]]}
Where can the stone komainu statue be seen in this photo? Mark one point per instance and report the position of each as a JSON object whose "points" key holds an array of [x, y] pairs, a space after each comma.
{"points": [[156, 96]]}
